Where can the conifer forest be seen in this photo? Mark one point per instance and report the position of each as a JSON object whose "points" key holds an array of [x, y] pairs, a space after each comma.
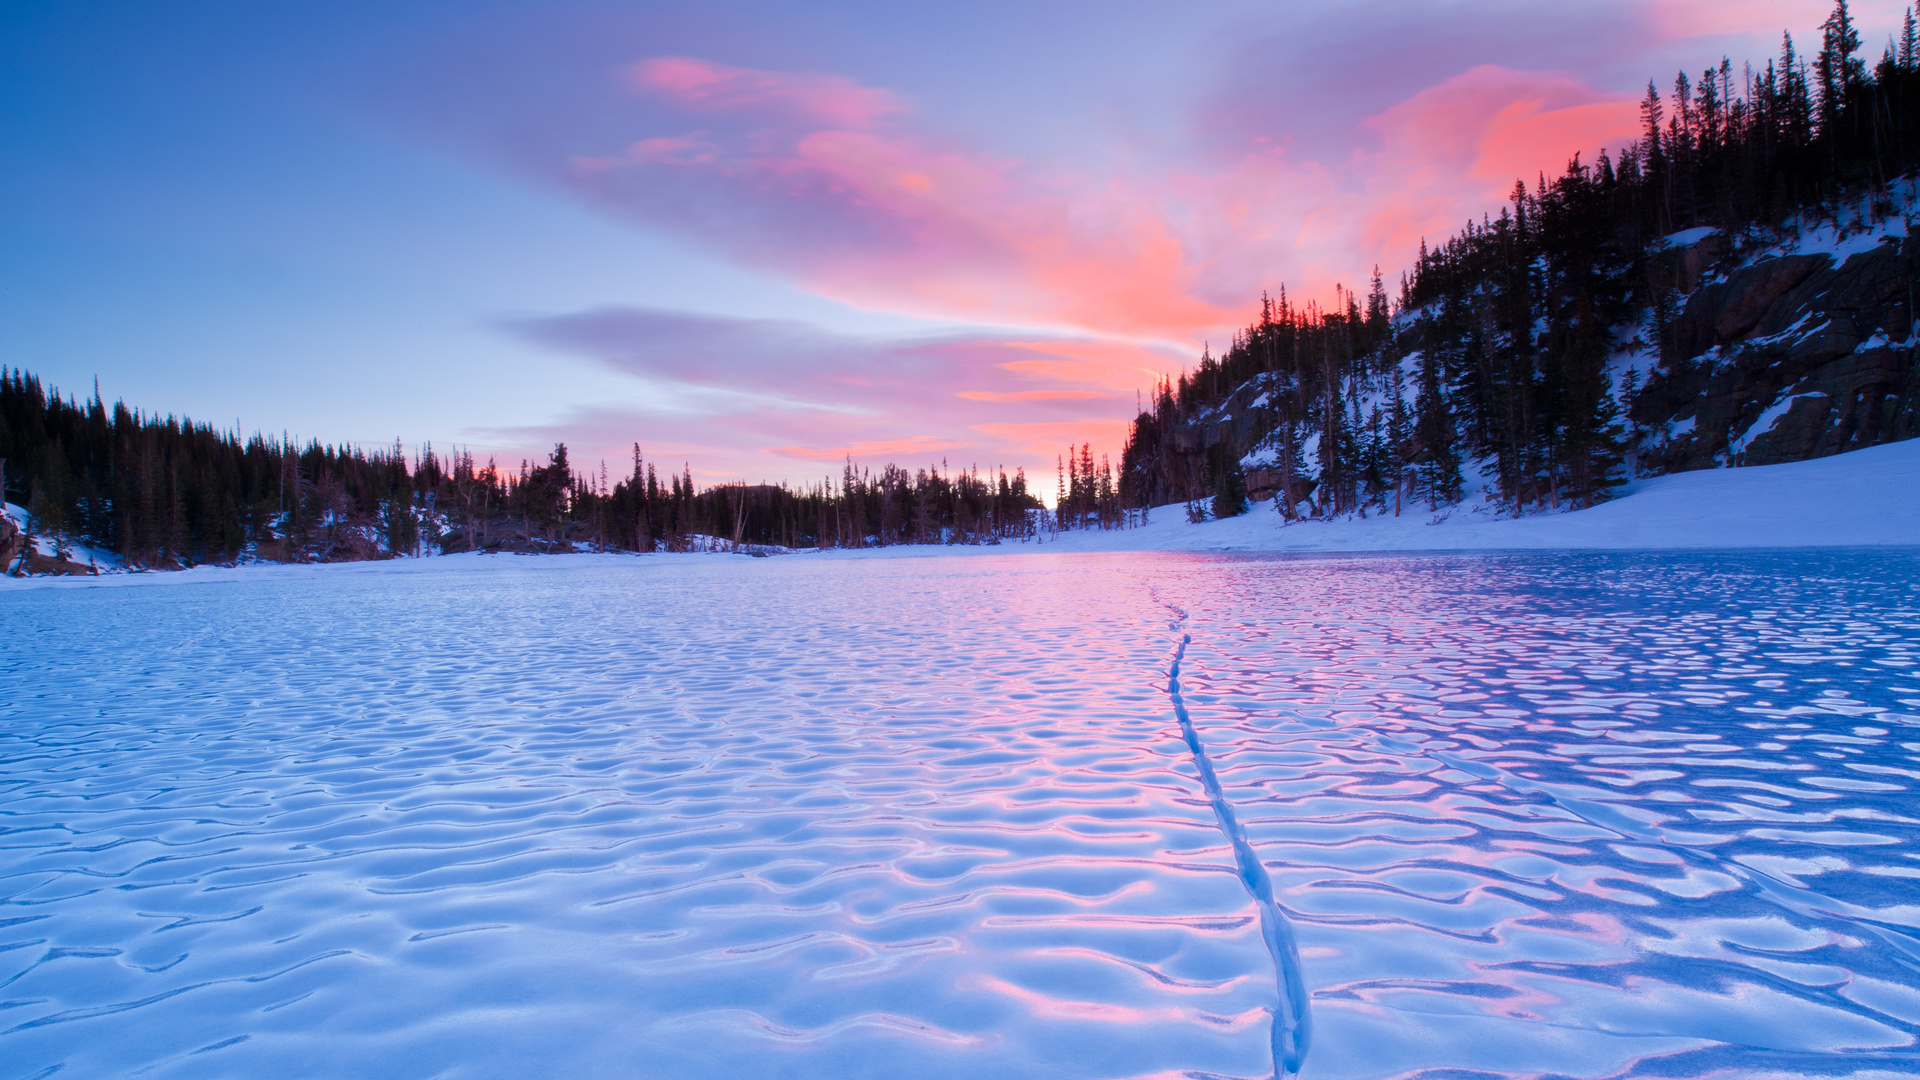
{"points": [[166, 492]]}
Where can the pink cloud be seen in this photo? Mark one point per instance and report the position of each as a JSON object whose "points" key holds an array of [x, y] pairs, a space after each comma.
{"points": [[677, 149], [824, 181], [804, 174], [1444, 155], [749, 397], [1490, 125], [1043, 440], [1109, 366], [808, 176], [1468, 139], [908, 449], [1107, 217], [1693, 18], [830, 100]]}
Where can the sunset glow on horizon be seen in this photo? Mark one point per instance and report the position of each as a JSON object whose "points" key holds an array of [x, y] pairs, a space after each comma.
{"points": [[758, 240]]}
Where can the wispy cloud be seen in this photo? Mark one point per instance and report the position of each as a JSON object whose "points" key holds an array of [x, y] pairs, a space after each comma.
{"points": [[825, 180], [832, 183], [742, 395]]}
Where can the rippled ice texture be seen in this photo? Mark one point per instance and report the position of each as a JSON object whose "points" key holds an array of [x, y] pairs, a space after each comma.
{"points": [[686, 817]]}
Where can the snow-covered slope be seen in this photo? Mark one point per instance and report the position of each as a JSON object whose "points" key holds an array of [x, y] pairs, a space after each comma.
{"points": [[1869, 496], [55, 553]]}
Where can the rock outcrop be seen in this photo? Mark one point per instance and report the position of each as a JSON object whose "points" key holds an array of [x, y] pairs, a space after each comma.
{"points": [[1793, 357], [12, 542], [58, 565]]}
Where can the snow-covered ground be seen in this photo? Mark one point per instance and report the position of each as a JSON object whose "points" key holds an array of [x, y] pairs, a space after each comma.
{"points": [[55, 546], [1867, 497], [1572, 814]]}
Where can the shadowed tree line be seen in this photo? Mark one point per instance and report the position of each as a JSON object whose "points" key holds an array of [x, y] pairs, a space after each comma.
{"points": [[166, 492], [862, 509], [1496, 349]]}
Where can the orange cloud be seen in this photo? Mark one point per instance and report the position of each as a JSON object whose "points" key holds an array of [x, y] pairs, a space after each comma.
{"points": [[1495, 125], [1444, 155], [989, 247], [1453, 151]]}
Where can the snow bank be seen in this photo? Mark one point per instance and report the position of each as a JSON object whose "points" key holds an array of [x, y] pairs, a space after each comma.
{"points": [[1867, 497], [59, 546]]}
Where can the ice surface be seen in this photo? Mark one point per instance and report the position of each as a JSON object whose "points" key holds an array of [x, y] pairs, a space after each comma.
{"points": [[1544, 814], [692, 816], [601, 816]]}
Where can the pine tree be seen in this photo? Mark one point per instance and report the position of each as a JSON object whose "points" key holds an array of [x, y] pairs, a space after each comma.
{"points": [[1228, 481], [1399, 436], [1652, 112], [1436, 458], [1841, 71]]}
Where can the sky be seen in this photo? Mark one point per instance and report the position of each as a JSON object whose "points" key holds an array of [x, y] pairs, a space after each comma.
{"points": [[760, 238]]}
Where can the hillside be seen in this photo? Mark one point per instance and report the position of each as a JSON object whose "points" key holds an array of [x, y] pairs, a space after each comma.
{"points": [[1735, 289]]}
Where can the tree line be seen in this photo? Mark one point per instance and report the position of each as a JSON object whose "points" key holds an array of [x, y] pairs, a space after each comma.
{"points": [[165, 492], [1495, 351], [933, 505]]}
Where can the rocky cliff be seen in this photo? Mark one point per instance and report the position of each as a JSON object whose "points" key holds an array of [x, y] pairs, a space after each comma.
{"points": [[1788, 357]]}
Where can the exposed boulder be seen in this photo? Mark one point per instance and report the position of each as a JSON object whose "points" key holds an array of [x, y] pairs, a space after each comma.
{"points": [[12, 542], [1265, 481], [19, 555], [56, 565], [1698, 259]]}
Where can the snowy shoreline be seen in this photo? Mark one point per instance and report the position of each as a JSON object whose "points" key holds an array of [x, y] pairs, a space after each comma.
{"points": [[1866, 498]]}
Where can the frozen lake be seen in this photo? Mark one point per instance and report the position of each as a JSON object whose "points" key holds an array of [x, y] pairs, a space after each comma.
{"points": [[1567, 814]]}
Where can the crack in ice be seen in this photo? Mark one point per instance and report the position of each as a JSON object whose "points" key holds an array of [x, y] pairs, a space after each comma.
{"points": [[1292, 1022]]}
